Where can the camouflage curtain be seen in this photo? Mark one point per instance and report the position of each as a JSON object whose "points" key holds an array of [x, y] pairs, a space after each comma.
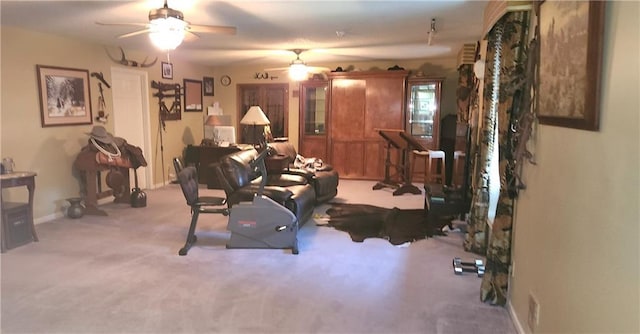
{"points": [[506, 58], [464, 92]]}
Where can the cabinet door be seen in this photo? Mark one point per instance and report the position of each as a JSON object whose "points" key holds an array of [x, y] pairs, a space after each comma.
{"points": [[361, 103], [313, 119], [423, 111], [346, 131]]}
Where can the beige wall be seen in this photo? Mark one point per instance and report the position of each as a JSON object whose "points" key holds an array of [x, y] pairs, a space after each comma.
{"points": [[50, 151], [576, 227], [442, 68]]}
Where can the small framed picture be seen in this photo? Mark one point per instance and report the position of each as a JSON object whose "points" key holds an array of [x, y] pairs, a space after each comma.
{"points": [[64, 96], [207, 86], [167, 70]]}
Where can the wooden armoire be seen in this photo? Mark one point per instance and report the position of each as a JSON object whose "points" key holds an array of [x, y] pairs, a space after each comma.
{"points": [[359, 104]]}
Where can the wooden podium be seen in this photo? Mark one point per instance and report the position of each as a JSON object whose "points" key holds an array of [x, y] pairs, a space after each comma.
{"points": [[396, 141]]}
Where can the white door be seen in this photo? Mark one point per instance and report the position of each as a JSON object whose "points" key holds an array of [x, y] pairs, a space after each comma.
{"points": [[131, 116]]}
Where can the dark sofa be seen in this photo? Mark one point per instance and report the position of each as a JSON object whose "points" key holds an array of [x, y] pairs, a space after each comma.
{"points": [[241, 182], [323, 177]]}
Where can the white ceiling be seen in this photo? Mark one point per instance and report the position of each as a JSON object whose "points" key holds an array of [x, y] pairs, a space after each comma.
{"points": [[373, 30]]}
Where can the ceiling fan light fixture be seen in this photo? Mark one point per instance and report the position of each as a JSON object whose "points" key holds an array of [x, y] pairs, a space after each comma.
{"points": [[298, 71], [167, 33]]}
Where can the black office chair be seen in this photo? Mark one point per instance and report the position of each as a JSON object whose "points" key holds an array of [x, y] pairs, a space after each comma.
{"points": [[188, 178], [177, 166]]}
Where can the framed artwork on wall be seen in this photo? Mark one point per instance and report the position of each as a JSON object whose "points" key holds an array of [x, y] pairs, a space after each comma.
{"points": [[571, 34], [192, 95], [207, 86], [167, 70], [65, 98]]}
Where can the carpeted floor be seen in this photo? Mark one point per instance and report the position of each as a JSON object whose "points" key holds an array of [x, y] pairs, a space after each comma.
{"points": [[122, 274]]}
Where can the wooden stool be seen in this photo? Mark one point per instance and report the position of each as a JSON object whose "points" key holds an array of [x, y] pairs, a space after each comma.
{"points": [[441, 175], [458, 157], [429, 156]]}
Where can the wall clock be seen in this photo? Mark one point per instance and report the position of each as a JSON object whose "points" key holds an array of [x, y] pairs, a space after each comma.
{"points": [[225, 80]]}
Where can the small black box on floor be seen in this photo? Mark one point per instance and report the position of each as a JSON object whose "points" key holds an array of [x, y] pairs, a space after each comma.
{"points": [[442, 202], [16, 227]]}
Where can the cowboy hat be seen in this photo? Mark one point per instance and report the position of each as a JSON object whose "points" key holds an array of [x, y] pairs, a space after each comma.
{"points": [[100, 134]]}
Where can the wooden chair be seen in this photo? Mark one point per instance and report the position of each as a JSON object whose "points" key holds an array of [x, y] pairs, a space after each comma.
{"points": [[429, 156], [188, 178]]}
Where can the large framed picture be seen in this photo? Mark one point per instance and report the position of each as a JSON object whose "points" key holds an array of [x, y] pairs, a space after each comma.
{"points": [[207, 86], [571, 34], [64, 96]]}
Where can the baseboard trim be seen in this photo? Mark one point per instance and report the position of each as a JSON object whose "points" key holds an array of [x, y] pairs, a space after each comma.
{"points": [[514, 318], [61, 214], [47, 218]]}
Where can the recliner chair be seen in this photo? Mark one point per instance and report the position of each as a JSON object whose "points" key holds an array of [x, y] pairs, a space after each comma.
{"points": [[324, 180]]}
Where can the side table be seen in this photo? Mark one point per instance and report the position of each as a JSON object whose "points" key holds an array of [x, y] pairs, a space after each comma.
{"points": [[17, 218]]}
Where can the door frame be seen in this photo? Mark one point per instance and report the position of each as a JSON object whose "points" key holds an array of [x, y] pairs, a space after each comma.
{"points": [[146, 118], [262, 92]]}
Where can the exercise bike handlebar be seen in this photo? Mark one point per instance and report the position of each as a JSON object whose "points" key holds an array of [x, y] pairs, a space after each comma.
{"points": [[259, 162], [260, 158]]}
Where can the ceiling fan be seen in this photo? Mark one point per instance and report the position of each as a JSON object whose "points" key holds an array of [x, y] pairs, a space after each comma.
{"points": [[298, 69], [167, 28]]}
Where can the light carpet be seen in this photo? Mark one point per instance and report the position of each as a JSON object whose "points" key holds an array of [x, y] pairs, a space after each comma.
{"points": [[122, 274]]}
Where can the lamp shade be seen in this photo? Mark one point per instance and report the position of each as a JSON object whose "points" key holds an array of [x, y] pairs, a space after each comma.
{"points": [[255, 116], [217, 120]]}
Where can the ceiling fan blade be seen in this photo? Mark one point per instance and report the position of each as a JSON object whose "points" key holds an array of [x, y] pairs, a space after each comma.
{"points": [[318, 69], [135, 24], [277, 69], [135, 33], [190, 36], [222, 30]]}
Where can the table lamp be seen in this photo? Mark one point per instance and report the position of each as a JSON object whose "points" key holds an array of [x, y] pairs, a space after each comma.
{"points": [[255, 117], [212, 121]]}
